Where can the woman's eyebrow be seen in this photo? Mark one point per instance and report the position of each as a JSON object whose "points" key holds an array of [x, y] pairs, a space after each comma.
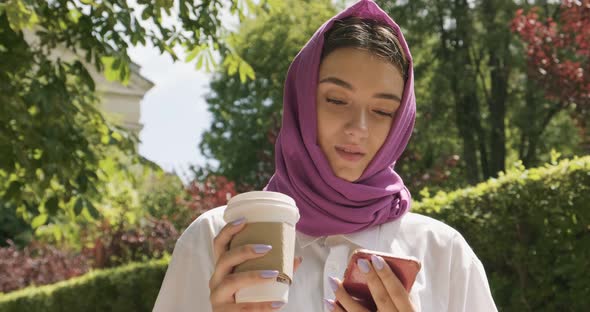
{"points": [[338, 81], [388, 96], [346, 85]]}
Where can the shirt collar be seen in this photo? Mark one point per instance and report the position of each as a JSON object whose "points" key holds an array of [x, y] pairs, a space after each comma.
{"points": [[305, 240]]}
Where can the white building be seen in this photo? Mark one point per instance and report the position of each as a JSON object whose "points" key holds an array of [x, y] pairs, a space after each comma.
{"points": [[121, 102]]}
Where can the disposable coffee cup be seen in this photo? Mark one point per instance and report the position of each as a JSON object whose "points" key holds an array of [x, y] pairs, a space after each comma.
{"points": [[271, 218]]}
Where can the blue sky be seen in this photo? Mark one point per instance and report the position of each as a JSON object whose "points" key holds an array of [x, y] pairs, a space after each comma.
{"points": [[174, 112]]}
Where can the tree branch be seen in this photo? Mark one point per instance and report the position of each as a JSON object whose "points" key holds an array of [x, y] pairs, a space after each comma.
{"points": [[552, 112], [477, 61]]}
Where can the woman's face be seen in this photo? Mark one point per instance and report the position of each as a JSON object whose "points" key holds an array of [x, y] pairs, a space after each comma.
{"points": [[357, 97]]}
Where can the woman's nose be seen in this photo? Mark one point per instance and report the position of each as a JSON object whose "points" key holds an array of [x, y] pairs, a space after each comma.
{"points": [[358, 125]]}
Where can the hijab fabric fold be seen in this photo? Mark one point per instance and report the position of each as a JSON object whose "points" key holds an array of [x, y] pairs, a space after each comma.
{"points": [[329, 205]]}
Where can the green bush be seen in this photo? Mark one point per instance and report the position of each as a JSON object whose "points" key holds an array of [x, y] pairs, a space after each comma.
{"points": [[531, 229], [132, 195], [132, 287]]}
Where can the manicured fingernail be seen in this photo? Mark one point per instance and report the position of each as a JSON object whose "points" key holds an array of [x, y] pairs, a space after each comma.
{"points": [[277, 304], [239, 221], [269, 274], [363, 265], [262, 248], [333, 284], [329, 304], [378, 262]]}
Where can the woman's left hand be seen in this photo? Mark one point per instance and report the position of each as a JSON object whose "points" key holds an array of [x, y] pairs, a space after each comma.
{"points": [[387, 291]]}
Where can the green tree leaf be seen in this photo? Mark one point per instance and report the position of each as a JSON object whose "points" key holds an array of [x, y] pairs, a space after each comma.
{"points": [[19, 14], [92, 210], [79, 205], [75, 15], [52, 205], [39, 220], [194, 52], [14, 190]]}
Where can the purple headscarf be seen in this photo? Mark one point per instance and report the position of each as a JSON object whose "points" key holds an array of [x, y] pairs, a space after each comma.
{"points": [[327, 204]]}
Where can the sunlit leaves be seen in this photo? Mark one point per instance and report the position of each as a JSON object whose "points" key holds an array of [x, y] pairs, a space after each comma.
{"points": [[39, 220], [234, 63], [74, 15], [19, 14], [197, 50], [116, 69]]}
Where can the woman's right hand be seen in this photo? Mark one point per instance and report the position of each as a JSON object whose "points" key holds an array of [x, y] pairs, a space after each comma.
{"points": [[224, 284]]}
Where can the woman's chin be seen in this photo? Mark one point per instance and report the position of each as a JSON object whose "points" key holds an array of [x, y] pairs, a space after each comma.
{"points": [[345, 170], [347, 175]]}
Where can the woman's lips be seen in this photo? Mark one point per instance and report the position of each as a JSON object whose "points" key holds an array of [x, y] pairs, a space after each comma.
{"points": [[354, 157]]}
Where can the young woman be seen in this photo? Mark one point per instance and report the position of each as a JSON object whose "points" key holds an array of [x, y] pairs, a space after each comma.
{"points": [[349, 111]]}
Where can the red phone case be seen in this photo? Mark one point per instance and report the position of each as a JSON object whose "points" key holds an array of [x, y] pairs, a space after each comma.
{"points": [[355, 282]]}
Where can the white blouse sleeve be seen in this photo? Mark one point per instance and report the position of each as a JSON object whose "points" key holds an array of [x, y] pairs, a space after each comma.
{"points": [[186, 284], [469, 289]]}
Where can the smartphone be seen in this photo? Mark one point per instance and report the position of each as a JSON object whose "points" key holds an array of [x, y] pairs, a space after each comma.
{"points": [[355, 283]]}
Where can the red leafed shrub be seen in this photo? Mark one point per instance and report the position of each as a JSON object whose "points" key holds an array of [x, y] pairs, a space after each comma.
{"points": [[41, 264], [118, 245], [558, 51], [37, 264], [215, 191]]}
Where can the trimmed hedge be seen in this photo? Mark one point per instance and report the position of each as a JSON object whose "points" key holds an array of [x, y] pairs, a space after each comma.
{"points": [[531, 229], [132, 287]]}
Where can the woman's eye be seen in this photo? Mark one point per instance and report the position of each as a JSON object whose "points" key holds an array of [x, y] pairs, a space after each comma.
{"points": [[337, 102], [386, 114]]}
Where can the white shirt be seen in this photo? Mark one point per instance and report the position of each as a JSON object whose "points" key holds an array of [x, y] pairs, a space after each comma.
{"points": [[452, 278]]}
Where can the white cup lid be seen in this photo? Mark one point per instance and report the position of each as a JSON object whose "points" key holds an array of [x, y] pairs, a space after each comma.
{"points": [[262, 206]]}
